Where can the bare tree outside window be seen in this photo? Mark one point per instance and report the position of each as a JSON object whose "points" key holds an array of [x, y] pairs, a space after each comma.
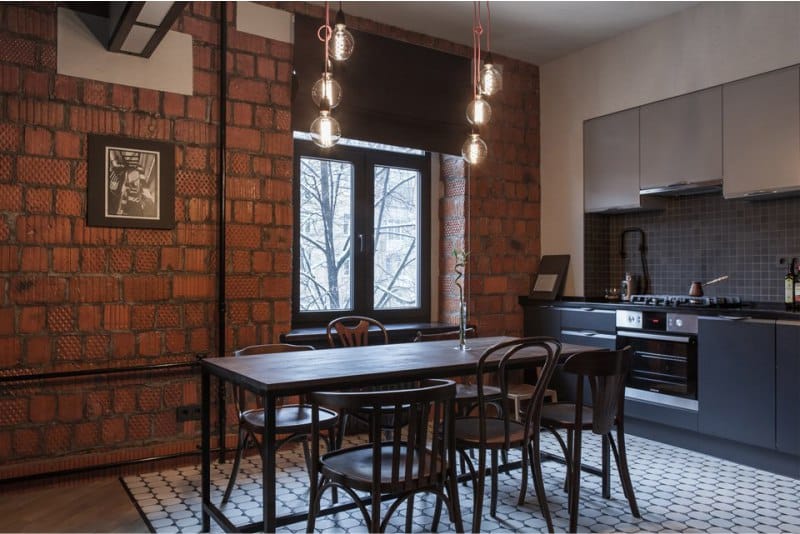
{"points": [[326, 215], [396, 275]]}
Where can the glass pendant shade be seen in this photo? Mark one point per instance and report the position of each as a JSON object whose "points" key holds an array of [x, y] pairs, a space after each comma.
{"points": [[474, 149], [342, 42], [491, 79], [328, 89], [325, 130], [479, 111]]}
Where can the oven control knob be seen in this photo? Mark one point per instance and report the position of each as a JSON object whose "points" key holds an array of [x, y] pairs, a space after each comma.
{"points": [[679, 322], [632, 319]]}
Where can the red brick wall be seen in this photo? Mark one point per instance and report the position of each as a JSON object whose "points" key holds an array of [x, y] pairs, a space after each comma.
{"points": [[76, 297]]}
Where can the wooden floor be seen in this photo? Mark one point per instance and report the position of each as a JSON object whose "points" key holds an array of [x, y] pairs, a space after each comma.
{"points": [[98, 505]]}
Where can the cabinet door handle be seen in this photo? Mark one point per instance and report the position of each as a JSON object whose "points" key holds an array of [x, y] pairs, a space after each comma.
{"points": [[733, 317]]}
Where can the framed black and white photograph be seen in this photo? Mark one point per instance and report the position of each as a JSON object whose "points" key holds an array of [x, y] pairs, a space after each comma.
{"points": [[131, 183]]}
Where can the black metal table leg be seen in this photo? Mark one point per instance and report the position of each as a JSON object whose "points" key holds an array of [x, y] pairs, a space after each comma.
{"points": [[205, 447], [269, 464]]}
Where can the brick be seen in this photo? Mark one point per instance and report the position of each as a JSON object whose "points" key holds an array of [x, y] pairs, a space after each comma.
{"points": [[66, 259], [276, 288], [145, 288], [70, 407], [95, 93], [86, 435], [148, 100], [252, 91], [280, 94], [244, 138], [41, 229], [243, 236], [93, 260], [9, 137], [17, 50], [195, 132], [241, 114], [262, 214], [11, 197], [68, 348], [174, 105], [175, 341], [205, 83], [168, 316], [31, 22], [122, 96], [38, 289], [10, 352], [265, 117], [39, 200], [278, 144], [202, 30], [36, 84], [44, 171], [37, 350], [150, 344], [31, 319], [89, 318], [194, 183], [66, 88], [120, 260], [148, 399], [143, 317], [96, 347], [36, 112], [116, 317], [165, 425], [147, 126], [247, 42], [57, 439], [94, 120], [34, 259], [7, 168], [266, 68], [284, 71], [93, 289], [262, 262], [87, 235], [195, 158], [113, 430], [69, 202], [243, 188], [171, 259], [146, 260], [193, 286], [26, 441], [38, 141], [198, 340], [123, 345], [42, 408], [199, 210], [197, 108], [197, 234], [196, 259], [9, 78], [241, 287], [68, 145], [196, 314], [280, 50], [7, 321]]}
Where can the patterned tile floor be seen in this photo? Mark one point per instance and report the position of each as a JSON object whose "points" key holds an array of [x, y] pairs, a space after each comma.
{"points": [[677, 491]]}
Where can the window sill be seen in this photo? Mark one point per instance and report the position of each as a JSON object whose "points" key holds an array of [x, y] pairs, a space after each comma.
{"points": [[398, 333]]}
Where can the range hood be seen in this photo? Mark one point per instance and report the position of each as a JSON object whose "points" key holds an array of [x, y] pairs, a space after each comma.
{"points": [[685, 188]]}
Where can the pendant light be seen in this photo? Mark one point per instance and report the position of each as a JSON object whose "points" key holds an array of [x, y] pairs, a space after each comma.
{"points": [[479, 111], [474, 149], [326, 88], [491, 79], [342, 42], [325, 130], [326, 92]]}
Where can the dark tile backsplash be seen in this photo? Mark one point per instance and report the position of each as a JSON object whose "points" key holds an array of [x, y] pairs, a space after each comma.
{"points": [[697, 238]]}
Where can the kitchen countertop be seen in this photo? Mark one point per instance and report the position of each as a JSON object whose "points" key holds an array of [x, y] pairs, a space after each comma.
{"points": [[756, 310]]}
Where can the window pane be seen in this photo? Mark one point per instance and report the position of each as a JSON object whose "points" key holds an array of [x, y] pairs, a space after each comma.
{"points": [[326, 222], [396, 248]]}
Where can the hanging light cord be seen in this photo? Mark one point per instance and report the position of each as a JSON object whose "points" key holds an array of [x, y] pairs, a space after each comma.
{"points": [[477, 30], [324, 33], [488, 27]]}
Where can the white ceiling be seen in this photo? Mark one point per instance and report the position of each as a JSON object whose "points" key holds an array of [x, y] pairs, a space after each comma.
{"points": [[535, 32]]}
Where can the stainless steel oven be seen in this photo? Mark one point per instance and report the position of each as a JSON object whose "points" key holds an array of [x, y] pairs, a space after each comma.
{"points": [[664, 369]]}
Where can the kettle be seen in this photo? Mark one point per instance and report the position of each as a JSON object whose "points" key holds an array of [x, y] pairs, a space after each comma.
{"points": [[696, 289]]}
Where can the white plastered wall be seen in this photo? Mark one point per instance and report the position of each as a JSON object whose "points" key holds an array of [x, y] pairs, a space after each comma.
{"points": [[702, 46]]}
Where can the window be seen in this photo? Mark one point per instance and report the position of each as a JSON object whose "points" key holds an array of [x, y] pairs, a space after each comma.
{"points": [[362, 233]]}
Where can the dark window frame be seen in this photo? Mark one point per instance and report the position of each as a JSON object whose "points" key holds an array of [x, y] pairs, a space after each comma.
{"points": [[363, 161]]}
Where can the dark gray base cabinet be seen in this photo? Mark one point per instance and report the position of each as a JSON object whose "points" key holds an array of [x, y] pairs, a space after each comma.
{"points": [[736, 380], [787, 387]]}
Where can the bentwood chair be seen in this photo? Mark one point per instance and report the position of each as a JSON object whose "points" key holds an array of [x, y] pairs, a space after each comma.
{"points": [[417, 459], [354, 331], [291, 420], [466, 394], [606, 372], [501, 433]]}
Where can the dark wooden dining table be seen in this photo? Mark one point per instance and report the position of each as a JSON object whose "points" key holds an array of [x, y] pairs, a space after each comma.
{"points": [[278, 375]]}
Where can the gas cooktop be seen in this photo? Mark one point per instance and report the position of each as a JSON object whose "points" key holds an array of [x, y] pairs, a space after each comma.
{"points": [[683, 301]]}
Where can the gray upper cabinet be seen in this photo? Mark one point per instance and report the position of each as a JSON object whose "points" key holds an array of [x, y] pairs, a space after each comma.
{"points": [[761, 134], [611, 162], [681, 142]]}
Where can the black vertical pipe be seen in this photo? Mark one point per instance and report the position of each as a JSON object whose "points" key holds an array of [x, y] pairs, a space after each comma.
{"points": [[223, 121]]}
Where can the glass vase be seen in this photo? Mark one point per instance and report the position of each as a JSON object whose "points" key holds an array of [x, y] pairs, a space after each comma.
{"points": [[462, 325]]}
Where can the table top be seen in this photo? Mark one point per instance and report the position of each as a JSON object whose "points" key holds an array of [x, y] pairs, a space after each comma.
{"points": [[291, 373]]}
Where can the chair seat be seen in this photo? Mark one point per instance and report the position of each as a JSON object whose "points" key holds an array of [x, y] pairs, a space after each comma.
{"points": [[354, 464], [469, 392], [467, 432], [290, 418], [562, 415]]}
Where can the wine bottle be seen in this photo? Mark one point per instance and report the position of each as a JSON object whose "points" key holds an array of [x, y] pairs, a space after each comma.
{"points": [[796, 287], [789, 286]]}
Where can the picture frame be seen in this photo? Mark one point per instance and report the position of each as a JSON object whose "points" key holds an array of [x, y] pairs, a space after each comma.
{"points": [[131, 182], [548, 283]]}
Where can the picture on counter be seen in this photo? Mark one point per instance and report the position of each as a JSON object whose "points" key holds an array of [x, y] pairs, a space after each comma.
{"points": [[131, 183]]}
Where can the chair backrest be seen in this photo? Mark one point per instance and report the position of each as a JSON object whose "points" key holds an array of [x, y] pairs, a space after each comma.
{"points": [[353, 330], [499, 359], [240, 394], [606, 371], [450, 334], [429, 407]]}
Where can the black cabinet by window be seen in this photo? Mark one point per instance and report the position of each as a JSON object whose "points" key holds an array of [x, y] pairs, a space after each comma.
{"points": [[541, 320], [787, 387], [736, 379]]}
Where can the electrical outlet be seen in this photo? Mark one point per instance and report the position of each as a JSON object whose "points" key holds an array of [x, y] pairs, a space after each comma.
{"points": [[189, 412]]}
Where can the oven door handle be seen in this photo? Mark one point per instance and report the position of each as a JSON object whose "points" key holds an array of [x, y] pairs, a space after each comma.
{"points": [[655, 337]]}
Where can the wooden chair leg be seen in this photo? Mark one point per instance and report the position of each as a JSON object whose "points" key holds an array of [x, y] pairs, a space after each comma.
{"points": [[606, 468], [453, 501], [409, 513], [241, 443], [575, 479], [621, 458], [478, 488], [538, 483], [493, 502]]}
